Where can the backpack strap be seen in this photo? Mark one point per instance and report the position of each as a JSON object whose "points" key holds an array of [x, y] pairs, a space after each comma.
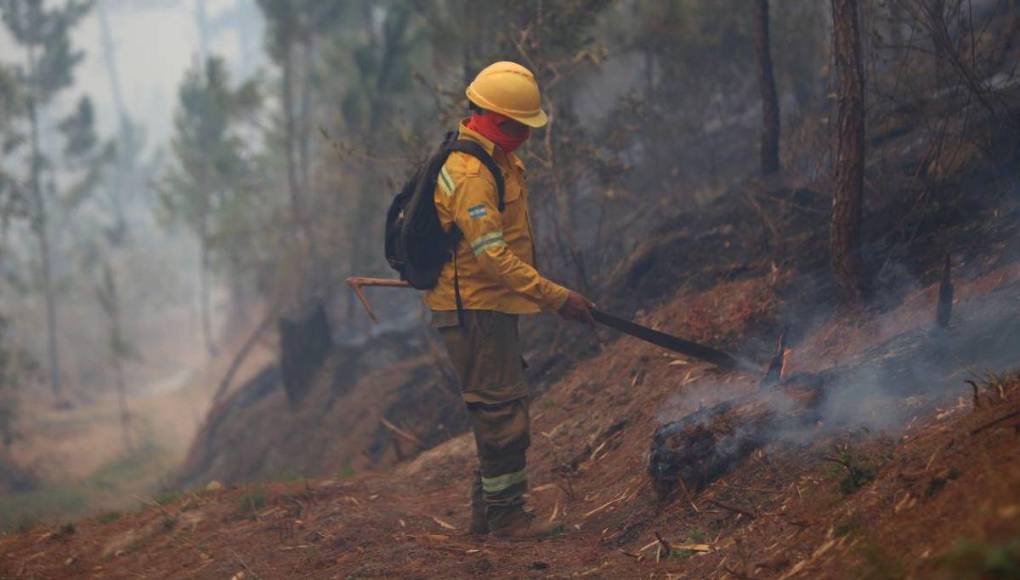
{"points": [[477, 151]]}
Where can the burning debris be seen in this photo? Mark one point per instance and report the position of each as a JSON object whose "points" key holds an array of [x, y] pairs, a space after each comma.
{"points": [[699, 448], [696, 449]]}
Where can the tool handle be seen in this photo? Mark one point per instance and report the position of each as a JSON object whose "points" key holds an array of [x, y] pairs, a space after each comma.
{"points": [[674, 343], [356, 283]]}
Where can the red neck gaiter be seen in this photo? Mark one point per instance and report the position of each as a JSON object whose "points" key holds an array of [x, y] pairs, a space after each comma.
{"points": [[488, 124]]}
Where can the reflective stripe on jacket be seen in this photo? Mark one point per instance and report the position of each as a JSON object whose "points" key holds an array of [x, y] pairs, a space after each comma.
{"points": [[495, 257]]}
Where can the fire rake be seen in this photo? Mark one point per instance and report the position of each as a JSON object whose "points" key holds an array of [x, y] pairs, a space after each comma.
{"points": [[683, 346]]}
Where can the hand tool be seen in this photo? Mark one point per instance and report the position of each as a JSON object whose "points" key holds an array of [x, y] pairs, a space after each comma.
{"points": [[683, 346]]}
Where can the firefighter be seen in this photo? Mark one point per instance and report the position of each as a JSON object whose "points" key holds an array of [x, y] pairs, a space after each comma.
{"points": [[494, 273]]}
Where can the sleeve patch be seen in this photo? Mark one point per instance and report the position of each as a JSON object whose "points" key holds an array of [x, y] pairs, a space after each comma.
{"points": [[477, 211]]}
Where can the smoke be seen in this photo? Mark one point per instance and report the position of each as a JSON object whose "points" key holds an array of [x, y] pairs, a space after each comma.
{"points": [[899, 367]]}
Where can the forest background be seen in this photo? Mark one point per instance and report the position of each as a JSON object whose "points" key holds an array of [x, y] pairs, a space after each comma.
{"points": [[144, 235]]}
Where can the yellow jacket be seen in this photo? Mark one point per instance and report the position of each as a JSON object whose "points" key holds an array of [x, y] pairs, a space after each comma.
{"points": [[496, 255]]}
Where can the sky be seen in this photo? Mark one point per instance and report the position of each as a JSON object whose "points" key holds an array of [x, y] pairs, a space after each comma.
{"points": [[155, 41]]}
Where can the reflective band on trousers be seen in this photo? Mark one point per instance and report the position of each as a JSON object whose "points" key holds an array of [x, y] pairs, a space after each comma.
{"points": [[484, 241], [501, 482]]}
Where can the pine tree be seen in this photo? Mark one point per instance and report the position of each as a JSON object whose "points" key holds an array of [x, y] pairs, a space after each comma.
{"points": [[767, 86], [11, 106], [209, 163], [120, 349], [9, 377], [295, 28], [848, 162], [43, 33]]}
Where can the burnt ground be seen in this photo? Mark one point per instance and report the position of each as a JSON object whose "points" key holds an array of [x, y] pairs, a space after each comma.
{"points": [[924, 202], [919, 496], [925, 498]]}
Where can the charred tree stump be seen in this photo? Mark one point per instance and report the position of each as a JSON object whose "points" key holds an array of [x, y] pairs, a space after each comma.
{"points": [[305, 342], [775, 370]]}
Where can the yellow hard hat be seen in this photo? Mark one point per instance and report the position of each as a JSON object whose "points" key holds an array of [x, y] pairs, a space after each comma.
{"points": [[509, 89]]}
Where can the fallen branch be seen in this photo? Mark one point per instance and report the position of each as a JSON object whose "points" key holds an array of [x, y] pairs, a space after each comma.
{"points": [[606, 505], [732, 508], [995, 422], [245, 565], [977, 400], [401, 433], [743, 488], [444, 524], [693, 547], [242, 354]]}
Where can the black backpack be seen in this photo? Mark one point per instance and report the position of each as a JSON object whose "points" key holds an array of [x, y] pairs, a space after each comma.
{"points": [[416, 245]]}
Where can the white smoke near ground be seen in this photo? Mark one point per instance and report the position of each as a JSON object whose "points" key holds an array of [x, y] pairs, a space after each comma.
{"points": [[908, 369]]}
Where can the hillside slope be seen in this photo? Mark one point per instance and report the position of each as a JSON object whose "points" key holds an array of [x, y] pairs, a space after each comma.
{"points": [[897, 476], [935, 493], [362, 411]]}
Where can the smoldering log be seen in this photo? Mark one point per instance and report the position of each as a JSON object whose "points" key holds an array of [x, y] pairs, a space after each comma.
{"points": [[704, 445]]}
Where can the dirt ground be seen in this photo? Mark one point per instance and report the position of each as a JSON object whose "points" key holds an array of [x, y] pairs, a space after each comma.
{"points": [[938, 496], [78, 455]]}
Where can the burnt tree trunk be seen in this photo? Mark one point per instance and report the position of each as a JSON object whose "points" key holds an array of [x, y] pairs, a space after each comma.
{"points": [[767, 85], [848, 160], [305, 342]]}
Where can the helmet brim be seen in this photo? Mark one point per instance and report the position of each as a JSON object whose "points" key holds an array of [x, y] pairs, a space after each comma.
{"points": [[535, 121]]}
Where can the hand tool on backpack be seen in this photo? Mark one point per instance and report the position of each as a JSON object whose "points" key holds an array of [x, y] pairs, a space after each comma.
{"points": [[683, 346]]}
